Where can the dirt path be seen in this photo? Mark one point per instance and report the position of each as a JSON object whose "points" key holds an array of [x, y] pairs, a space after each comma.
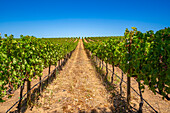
{"points": [[76, 89]]}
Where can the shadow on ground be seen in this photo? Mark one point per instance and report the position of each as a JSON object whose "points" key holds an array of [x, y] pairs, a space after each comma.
{"points": [[119, 102], [35, 95]]}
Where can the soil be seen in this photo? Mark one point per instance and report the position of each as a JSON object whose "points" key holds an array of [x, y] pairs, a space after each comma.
{"points": [[81, 87], [10, 101], [155, 100], [76, 89]]}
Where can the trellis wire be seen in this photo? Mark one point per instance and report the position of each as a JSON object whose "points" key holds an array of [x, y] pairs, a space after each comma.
{"points": [[133, 89], [34, 86]]}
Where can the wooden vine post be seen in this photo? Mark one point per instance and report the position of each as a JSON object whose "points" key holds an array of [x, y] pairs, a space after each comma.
{"points": [[128, 78], [20, 101], [141, 103], [106, 70], [40, 86], [59, 65], [112, 73], [29, 92], [55, 70], [48, 73], [128, 91], [121, 84], [100, 63]]}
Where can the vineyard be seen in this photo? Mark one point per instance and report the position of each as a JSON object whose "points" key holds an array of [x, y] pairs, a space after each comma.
{"points": [[24, 59], [143, 57]]}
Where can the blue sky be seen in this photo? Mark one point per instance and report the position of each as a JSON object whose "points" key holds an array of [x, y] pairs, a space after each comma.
{"points": [[74, 18]]}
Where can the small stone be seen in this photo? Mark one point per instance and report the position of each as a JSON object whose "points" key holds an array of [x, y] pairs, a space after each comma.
{"points": [[69, 107], [76, 100], [79, 106]]}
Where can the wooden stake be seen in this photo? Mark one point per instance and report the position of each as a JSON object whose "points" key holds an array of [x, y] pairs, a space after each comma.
{"points": [[29, 93], [20, 102], [112, 73]]}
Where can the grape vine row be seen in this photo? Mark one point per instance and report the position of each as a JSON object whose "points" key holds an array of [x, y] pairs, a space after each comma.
{"points": [[25, 58], [145, 56]]}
